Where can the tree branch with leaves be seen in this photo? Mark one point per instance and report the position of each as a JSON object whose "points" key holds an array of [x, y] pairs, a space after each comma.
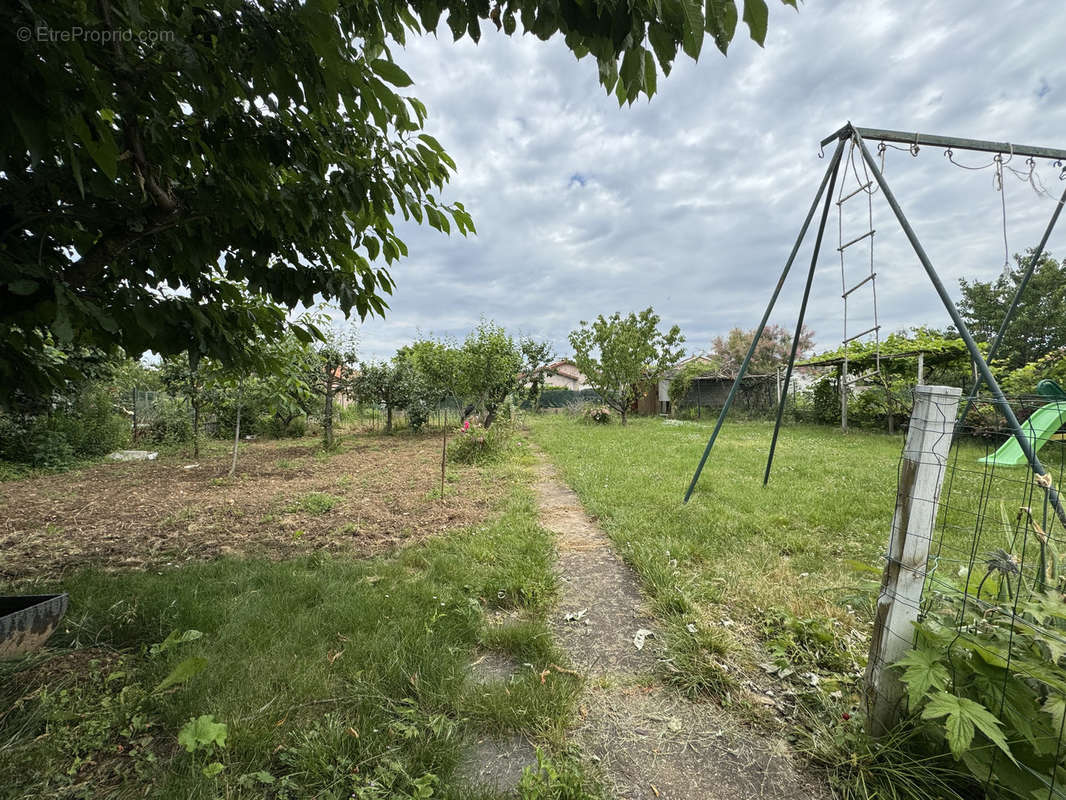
{"points": [[271, 145], [620, 355]]}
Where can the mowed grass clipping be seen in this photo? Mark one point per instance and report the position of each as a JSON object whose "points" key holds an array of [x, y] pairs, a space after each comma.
{"points": [[335, 677]]}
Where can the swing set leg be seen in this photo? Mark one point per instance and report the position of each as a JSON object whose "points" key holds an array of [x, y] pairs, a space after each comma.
{"points": [[830, 172]]}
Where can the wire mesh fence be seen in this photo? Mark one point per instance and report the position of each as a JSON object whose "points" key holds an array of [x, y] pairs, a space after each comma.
{"points": [[983, 662]]}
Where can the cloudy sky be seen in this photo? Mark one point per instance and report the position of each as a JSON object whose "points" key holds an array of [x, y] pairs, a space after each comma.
{"points": [[691, 203]]}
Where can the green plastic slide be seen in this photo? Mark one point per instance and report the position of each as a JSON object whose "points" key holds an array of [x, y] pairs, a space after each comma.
{"points": [[1038, 429]]}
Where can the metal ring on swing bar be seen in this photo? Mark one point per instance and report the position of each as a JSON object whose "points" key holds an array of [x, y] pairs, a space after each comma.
{"points": [[914, 145]]}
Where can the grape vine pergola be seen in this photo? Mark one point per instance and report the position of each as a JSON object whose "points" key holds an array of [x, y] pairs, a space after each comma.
{"points": [[857, 138]]}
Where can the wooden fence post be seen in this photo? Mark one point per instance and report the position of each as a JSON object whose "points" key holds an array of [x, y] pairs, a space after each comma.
{"points": [[921, 476]]}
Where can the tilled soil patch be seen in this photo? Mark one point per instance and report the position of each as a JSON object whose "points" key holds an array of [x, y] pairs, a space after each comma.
{"points": [[287, 498]]}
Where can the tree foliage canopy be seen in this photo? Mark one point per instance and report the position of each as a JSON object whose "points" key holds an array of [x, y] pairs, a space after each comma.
{"points": [[772, 351], [150, 182], [492, 363], [1037, 328], [619, 354]]}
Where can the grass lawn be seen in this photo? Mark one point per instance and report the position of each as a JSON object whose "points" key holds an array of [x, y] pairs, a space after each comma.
{"points": [[768, 574], [334, 677]]}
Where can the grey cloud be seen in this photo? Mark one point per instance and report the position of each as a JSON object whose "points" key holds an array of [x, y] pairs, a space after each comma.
{"points": [[691, 202]]}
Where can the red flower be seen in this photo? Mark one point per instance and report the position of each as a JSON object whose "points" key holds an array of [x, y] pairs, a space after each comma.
{"points": [[845, 716]]}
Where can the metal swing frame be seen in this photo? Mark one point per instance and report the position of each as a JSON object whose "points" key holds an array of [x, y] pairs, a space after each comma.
{"points": [[915, 140]]}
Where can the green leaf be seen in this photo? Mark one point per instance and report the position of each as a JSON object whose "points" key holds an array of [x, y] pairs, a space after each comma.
{"points": [[75, 166], [391, 72], [664, 46], [692, 28], [100, 144], [757, 16], [722, 22], [649, 73], [187, 669], [963, 715], [22, 287], [1056, 707], [175, 638], [213, 769], [202, 732], [632, 72], [923, 671]]}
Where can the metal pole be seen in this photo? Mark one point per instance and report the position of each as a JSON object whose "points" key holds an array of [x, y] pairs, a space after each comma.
{"points": [[830, 170], [1029, 269], [799, 326], [997, 394], [949, 142]]}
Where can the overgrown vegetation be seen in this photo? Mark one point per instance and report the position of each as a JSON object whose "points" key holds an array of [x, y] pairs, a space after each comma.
{"points": [[318, 676]]}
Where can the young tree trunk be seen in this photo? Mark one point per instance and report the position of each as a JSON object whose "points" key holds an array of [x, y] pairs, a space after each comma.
{"points": [[236, 436], [196, 430], [388, 419], [327, 418], [490, 417]]}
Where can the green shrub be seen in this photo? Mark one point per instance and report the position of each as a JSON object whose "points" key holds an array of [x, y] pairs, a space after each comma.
{"points": [[85, 427], [225, 410], [418, 413], [92, 427], [597, 415], [171, 421], [49, 449], [13, 439], [275, 427], [822, 402], [474, 444], [296, 428]]}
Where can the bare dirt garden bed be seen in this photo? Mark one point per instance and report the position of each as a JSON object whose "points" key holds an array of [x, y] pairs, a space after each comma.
{"points": [[288, 497]]}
